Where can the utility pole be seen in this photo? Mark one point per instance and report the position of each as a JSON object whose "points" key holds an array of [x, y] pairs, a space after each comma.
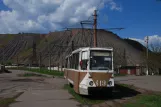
{"points": [[17, 61], [40, 61], [3, 56], [3, 68], [34, 54], [48, 53], [72, 45], [49, 57], [147, 50], [95, 28], [61, 63], [94, 24], [49, 62]]}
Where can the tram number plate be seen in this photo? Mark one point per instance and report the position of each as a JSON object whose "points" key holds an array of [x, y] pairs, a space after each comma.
{"points": [[101, 82]]}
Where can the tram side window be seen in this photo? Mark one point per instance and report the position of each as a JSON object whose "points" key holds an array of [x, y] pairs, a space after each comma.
{"points": [[84, 60], [70, 60], [66, 62], [73, 61], [76, 60]]}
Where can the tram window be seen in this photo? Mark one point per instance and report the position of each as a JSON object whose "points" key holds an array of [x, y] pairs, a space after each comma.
{"points": [[84, 55], [73, 61], [70, 60], [66, 62], [100, 60], [84, 64], [84, 60], [76, 60]]}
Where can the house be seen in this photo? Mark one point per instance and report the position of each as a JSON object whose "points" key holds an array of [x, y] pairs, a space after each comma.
{"points": [[131, 70]]}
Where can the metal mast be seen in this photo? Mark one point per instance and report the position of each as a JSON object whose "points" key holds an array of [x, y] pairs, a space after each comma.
{"points": [[147, 50], [95, 28]]}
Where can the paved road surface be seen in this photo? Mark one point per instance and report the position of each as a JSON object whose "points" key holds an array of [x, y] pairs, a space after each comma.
{"points": [[38, 91], [49, 92], [45, 98], [152, 83]]}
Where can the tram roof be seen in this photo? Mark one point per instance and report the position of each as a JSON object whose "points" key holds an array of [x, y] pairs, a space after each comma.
{"points": [[93, 48], [89, 48]]}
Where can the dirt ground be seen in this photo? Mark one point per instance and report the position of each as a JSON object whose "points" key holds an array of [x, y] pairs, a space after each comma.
{"points": [[48, 91], [11, 84]]}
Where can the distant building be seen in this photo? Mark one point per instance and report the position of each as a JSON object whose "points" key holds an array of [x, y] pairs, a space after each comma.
{"points": [[131, 70]]}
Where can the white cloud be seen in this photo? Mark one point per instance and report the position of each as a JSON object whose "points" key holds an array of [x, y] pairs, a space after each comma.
{"points": [[113, 5], [153, 40], [47, 15]]}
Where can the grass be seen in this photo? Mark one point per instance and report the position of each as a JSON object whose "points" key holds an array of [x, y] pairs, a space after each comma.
{"points": [[30, 75], [43, 71], [46, 71], [127, 85], [143, 100], [88, 100], [5, 102], [153, 100]]}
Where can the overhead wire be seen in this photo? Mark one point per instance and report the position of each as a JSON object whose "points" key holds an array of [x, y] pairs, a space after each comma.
{"points": [[83, 31]]}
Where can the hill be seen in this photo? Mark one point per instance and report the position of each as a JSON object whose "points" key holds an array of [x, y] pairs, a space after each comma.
{"points": [[59, 44], [136, 44]]}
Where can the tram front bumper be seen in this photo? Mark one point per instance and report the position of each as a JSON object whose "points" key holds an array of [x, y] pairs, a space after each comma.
{"points": [[99, 90]]}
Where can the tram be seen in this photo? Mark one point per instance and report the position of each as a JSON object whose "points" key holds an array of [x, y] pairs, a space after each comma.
{"points": [[90, 70]]}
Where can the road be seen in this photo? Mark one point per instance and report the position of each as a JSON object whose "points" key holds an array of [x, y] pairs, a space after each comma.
{"points": [[48, 91], [152, 83], [38, 91]]}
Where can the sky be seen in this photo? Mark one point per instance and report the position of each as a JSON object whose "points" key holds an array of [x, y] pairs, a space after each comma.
{"points": [[140, 18]]}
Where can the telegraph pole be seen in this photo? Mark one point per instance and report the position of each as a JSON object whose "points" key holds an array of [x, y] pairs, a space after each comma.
{"points": [[48, 53], [17, 61], [147, 50], [34, 53], [40, 61], [3, 57], [95, 28], [72, 45], [3, 66], [49, 57]]}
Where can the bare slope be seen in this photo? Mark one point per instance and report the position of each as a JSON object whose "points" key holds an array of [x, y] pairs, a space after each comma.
{"points": [[17, 45], [124, 54], [59, 44]]}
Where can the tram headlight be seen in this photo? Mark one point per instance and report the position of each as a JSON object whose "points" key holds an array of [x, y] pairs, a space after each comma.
{"points": [[91, 83]]}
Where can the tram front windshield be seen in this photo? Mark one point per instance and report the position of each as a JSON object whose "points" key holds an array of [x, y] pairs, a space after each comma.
{"points": [[100, 60]]}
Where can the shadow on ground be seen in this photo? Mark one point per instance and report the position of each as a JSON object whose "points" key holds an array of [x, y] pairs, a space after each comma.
{"points": [[5, 71], [22, 80], [119, 92]]}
